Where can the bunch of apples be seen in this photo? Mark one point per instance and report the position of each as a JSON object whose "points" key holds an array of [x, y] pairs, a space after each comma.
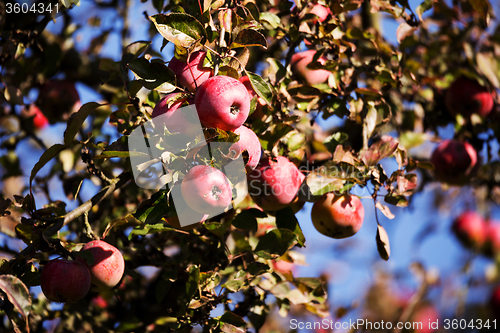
{"points": [[65, 280], [224, 102]]}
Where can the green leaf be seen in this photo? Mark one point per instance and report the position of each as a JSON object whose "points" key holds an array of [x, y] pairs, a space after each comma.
{"points": [[76, 121], [423, 7], [147, 229], [334, 140], [153, 75], [275, 243], [249, 37], [285, 218], [18, 295], [233, 285], [179, 28], [119, 148], [218, 229], [270, 138], [158, 4], [397, 200], [45, 158], [232, 323], [25, 233], [134, 51], [260, 87], [272, 19], [247, 219], [193, 281], [153, 209]]}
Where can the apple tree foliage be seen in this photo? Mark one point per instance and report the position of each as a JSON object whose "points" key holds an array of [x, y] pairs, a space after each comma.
{"points": [[390, 96]]}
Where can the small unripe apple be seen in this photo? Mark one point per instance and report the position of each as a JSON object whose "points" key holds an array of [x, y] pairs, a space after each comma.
{"points": [[299, 64], [470, 229], [191, 75], [65, 280], [466, 96], [257, 114], [222, 102], [274, 184], [169, 112], [338, 216], [108, 266], [250, 142], [454, 161], [206, 190], [58, 99]]}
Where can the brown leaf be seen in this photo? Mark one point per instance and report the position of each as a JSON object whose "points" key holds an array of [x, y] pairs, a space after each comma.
{"points": [[385, 210], [18, 294], [383, 246], [404, 30]]}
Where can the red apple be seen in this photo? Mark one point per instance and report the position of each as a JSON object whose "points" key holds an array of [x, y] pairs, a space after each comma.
{"points": [[65, 280], [39, 120], [58, 99], [263, 228], [470, 229], [250, 142], [466, 96], [425, 316], [495, 302], [108, 265], [311, 76], [191, 75], [257, 114], [283, 266], [222, 102], [454, 161], [274, 184], [99, 302], [318, 10], [206, 190], [338, 216], [169, 112]]}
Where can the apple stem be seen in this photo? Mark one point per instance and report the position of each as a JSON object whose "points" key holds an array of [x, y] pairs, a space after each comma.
{"points": [[234, 109], [216, 192]]}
